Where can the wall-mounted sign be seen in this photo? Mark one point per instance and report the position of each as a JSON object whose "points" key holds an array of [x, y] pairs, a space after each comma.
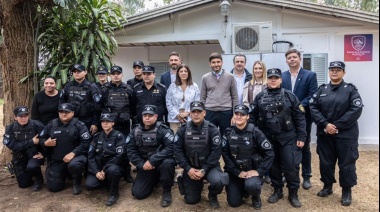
{"points": [[358, 47]]}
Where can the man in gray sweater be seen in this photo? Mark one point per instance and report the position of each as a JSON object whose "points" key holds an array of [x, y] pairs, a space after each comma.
{"points": [[219, 93]]}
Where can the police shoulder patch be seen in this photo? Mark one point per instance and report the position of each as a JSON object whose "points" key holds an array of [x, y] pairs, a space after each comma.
{"points": [[119, 149], [85, 135], [171, 138], [6, 135], [216, 140], [5, 141], [266, 144], [357, 102], [127, 139]]}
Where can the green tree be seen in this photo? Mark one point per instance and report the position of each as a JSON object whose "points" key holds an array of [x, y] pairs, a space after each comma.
{"points": [[366, 5]]}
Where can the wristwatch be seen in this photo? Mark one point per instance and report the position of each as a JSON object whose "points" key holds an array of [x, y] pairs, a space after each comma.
{"points": [[203, 171]]}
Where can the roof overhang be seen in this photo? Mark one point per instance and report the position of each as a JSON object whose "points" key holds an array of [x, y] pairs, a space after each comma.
{"points": [[176, 43]]}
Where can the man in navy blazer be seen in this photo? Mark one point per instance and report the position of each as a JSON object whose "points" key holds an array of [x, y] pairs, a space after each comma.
{"points": [[168, 77], [303, 83]]}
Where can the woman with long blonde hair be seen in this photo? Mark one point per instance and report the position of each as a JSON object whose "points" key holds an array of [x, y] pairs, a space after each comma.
{"points": [[257, 84]]}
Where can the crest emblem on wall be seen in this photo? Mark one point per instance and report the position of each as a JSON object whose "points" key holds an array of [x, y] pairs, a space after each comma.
{"points": [[358, 42]]}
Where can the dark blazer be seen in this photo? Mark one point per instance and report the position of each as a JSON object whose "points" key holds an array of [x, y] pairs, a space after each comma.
{"points": [[166, 79], [306, 85]]}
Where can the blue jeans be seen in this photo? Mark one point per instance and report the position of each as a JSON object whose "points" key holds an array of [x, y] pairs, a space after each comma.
{"points": [[221, 119]]}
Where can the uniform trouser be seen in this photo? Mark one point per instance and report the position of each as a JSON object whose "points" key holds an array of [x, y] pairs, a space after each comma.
{"points": [[287, 159], [125, 129], [306, 153], [146, 180], [113, 175], [237, 187], [26, 169], [344, 150], [193, 188], [57, 172], [221, 119]]}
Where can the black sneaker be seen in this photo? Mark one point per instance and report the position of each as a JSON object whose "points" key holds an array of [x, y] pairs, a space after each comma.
{"points": [[213, 200], [166, 198]]}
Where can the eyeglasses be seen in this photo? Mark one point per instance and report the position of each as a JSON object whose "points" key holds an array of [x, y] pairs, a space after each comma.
{"points": [[147, 73]]}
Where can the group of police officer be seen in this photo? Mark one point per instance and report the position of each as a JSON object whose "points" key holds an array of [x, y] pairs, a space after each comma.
{"points": [[267, 136]]}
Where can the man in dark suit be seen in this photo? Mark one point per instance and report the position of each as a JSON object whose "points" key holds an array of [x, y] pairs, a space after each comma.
{"points": [[303, 83], [168, 77]]}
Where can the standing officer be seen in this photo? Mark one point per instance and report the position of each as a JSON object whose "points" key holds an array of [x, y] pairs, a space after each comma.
{"points": [[66, 141], [247, 155], [149, 92], [279, 114], [84, 96], [105, 158], [22, 138], [102, 74], [137, 71], [150, 149], [198, 150], [336, 108], [118, 100]]}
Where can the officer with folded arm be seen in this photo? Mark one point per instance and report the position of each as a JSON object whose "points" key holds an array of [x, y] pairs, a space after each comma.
{"points": [[66, 141], [197, 149], [150, 149], [105, 158], [22, 138], [247, 155]]}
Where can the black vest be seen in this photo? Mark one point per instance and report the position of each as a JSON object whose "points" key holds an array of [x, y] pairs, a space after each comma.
{"points": [[243, 147], [118, 99], [23, 133], [79, 98], [65, 139], [105, 148], [146, 141], [197, 145]]}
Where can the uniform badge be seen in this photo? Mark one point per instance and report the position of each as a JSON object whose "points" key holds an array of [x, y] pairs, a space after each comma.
{"points": [[302, 109], [171, 138], [127, 139], [216, 140], [85, 135], [119, 149], [266, 144], [358, 102]]}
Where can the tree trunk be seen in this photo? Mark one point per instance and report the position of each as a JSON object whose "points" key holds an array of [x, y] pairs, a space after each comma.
{"points": [[17, 56]]}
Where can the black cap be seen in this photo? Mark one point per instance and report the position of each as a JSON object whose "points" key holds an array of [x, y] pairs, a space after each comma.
{"points": [[20, 110], [197, 105], [78, 67], [116, 68], [149, 69], [68, 107], [102, 70], [149, 109], [337, 64], [107, 117], [138, 63], [241, 109], [274, 72]]}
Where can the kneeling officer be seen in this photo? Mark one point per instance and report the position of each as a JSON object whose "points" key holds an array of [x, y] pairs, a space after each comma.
{"points": [[105, 158], [247, 155]]}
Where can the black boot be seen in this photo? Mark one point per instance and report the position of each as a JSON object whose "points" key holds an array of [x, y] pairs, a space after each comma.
{"points": [[346, 196], [39, 182], [306, 183], [112, 200], [327, 190], [293, 198], [166, 198], [277, 194], [256, 202], [128, 178], [77, 189], [213, 200]]}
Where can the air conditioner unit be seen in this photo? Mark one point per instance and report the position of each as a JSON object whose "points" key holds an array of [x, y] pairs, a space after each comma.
{"points": [[252, 37]]}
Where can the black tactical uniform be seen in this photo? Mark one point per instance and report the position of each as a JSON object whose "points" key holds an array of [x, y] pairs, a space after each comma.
{"points": [[19, 139], [71, 137], [132, 82], [156, 95], [106, 154], [85, 97], [156, 146], [101, 70], [279, 114], [340, 105], [245, 150], [199, 147]]}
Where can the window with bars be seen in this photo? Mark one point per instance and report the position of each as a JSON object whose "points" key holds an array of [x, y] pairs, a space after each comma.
{"points": [[160, 67]]}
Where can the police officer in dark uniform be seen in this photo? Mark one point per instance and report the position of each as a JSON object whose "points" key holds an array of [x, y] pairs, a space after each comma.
{"points": [[117, 99], [84, 96], [336, 108], [150, 149], [102, 74], [247, 155], [197, 149], [66, 141], [105, 158], [22, 138], [279, 114], [149, 92], [137, 71]]}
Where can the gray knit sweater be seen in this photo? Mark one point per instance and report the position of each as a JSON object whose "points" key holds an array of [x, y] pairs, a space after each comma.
{"points": [[219, 95]]}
